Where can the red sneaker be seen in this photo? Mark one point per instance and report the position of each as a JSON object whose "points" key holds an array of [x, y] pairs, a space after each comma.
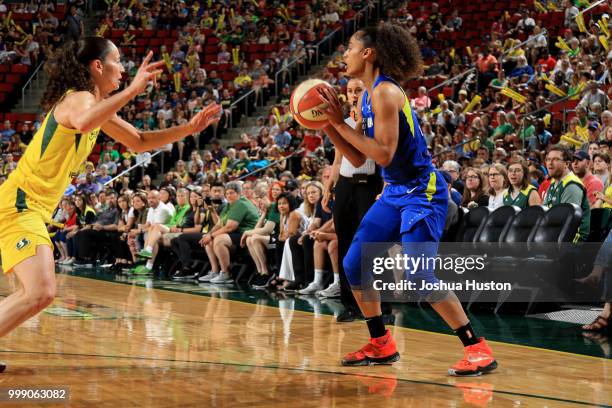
{"points": [[477, 359], [381, 350]]}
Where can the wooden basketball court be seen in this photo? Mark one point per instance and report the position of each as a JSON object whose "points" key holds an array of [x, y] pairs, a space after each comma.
{"points": [[117, 345]]}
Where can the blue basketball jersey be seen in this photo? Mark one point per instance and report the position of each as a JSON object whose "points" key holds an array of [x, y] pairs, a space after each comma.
{"points": [[411, 162]]}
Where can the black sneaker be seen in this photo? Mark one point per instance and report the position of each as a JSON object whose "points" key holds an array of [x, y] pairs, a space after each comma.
{"points": [[260, 281], [2, 366], [348, 315], [184, 274]]}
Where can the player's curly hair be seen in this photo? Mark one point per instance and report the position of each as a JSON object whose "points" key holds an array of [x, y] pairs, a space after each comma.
{"points": [[397, 52], [67, 67]]}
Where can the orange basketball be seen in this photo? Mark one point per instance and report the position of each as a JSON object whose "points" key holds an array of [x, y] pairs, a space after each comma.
{"points": [[307, 105]]}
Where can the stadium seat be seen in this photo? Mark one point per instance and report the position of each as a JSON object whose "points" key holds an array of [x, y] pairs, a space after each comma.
{"points": [[13, 78], [491, 229], [559, 224], [522, 225], [20, 69], [6, 88], [470, 224]]}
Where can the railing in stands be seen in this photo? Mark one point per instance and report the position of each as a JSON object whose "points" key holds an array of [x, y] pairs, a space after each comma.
{"points": [[234, 105], [274, 163], [138, 164], [27, 85]]}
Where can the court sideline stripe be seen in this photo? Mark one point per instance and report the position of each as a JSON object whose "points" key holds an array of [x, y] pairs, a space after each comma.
{"points": [[319, 371]]}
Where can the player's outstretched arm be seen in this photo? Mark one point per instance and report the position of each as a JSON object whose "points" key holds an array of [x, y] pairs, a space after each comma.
{"points": [[82, 111], [140, 141], [382, 147]]}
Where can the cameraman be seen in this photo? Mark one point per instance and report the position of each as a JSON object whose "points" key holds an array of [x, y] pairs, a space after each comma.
{"points": [[206, 215]]}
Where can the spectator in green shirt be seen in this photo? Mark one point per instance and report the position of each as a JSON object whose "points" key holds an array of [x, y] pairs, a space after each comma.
{"points": [[264, 233], [238, 216], [505, 127], [110, 151]]}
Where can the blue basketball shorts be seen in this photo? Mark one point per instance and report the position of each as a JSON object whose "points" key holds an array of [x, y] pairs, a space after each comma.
{"points": [[407, 214]]}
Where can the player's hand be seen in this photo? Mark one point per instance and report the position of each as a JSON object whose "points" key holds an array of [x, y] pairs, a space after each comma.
{"points": [[334, 111], [210, 115], [147, 71]]}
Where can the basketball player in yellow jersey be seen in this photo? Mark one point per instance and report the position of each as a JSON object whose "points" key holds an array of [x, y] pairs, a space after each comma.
{"points": [[82, 76]]}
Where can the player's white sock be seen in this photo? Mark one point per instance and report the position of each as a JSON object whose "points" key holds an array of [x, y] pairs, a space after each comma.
{"points": [[318, 276], [149, 249], [149, 265], [336, 278]]}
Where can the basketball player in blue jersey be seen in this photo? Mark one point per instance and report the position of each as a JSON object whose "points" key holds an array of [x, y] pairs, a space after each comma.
{"points": [[413, 204]]}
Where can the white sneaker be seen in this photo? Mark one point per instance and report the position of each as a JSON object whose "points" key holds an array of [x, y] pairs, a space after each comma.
{"points": [[332, 291], [311, 289], [69, 261], [222, 277], [208, 277]]}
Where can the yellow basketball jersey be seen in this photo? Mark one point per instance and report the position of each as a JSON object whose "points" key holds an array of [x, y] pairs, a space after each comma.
{"points": [[49, 163]]}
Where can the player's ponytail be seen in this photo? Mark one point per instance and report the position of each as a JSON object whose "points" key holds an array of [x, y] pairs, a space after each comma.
{"points": [[68, 67], [397, 51]]}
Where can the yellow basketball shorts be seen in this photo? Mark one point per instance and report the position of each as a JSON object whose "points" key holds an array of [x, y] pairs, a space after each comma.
{"points": [[22, 228]]}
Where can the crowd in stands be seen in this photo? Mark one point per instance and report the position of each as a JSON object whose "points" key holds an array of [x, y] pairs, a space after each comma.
{"points": [[493, 132], [28, 32]]}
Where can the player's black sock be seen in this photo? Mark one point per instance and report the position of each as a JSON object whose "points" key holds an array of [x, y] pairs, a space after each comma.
{"points": [[466, 335], [376, 326]]}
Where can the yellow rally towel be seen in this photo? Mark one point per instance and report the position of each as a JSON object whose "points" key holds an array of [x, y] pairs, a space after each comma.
{"points": [[604, 42], [562, 45], [580, 22], [177, 81], [570, 140], [539, 7], [166, 58], [475, 101], [555, 90], [513, 95]]}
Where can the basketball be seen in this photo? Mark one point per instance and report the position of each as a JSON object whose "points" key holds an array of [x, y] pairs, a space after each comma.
{"points": [[307, 105]]}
